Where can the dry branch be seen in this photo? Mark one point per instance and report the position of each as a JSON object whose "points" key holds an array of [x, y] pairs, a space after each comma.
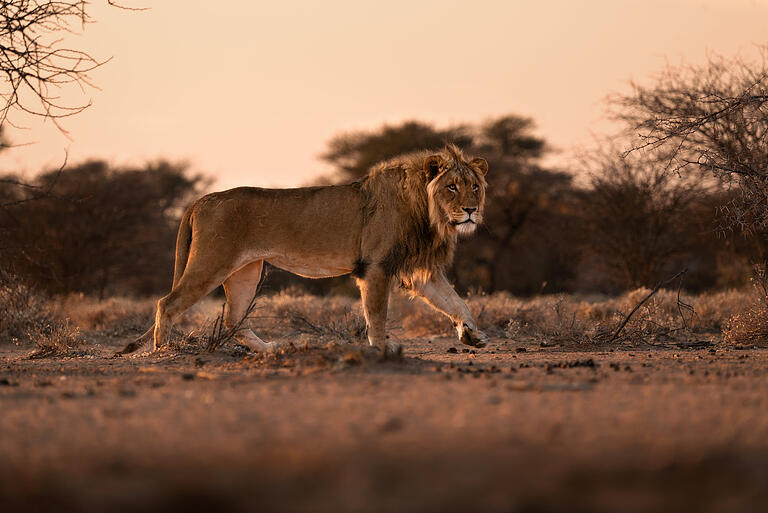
{"points": [[645, 299], [37, 68], [220, 334], [713, 118]]}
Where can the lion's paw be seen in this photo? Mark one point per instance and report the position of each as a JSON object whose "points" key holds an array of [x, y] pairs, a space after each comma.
{"points": [[472, 337], [392, 351]]}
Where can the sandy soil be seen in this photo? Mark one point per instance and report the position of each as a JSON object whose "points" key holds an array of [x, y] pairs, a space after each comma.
{"points": [[512, 427]]}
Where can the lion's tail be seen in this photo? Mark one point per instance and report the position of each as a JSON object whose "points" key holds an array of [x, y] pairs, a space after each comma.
{"points": [[183, 243]]}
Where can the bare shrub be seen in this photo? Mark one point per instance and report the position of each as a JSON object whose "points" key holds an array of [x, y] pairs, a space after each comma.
{"points": [[56, 338], [23, 309], [750, 327], [639, 218], [712, 118], [714, 309], [28, 317], [557, 318], [334, 317], [281, 316]]}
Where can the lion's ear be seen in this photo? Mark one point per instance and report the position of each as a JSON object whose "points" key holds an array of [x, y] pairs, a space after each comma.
{"points": [[481, 165], [432, 166]]}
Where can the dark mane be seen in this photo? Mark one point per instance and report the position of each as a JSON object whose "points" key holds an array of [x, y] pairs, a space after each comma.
{"points": [[400, 185]]}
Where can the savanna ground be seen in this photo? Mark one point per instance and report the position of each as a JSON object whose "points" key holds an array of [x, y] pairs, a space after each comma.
{"points": [[552, 416]]}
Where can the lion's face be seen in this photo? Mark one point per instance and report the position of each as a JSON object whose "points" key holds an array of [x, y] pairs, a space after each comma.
{"points": [[456, 193]]}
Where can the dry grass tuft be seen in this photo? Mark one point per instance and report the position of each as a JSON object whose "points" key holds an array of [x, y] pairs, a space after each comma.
{"points": [[332, 317], [118, 315], [27, 316], [750, 327], [23, 311], [54, 325], [56, 339]]}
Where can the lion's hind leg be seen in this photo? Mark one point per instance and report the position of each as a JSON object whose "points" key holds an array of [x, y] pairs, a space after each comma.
{"points": [[241, 289], [195, 284]]}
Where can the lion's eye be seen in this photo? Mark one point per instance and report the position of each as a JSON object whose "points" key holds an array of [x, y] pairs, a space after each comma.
{"points": [[475, 187], [452, 187]]}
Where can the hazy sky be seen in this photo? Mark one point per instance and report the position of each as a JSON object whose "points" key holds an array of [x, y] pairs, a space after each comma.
{"points": [[250, 92]]}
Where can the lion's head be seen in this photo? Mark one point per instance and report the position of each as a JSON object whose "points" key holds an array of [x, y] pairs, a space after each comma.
{"points": [[456, 190], [437, 197]]}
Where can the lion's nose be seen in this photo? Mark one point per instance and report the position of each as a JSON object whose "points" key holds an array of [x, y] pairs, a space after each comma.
{"points": [[469, 210]]}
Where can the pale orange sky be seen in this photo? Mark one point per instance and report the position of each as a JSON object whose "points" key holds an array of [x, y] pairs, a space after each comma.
{"points": [[249, 92]]}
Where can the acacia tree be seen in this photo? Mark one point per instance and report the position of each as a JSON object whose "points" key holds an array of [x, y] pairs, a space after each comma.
{"points": [[353, 153], [714, 118]]}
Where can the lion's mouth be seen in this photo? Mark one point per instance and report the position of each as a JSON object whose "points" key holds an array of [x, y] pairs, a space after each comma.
{"points": [[457, 223]]}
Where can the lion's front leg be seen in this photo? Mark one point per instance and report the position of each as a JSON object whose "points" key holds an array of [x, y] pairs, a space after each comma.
{"points": [[374, 292], [439, 294]]}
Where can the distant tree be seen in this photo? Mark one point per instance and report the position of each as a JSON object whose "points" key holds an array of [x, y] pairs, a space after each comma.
{"points": [[509, 137], [104, 231], [353, 153], [714, 118], [520, 246]]}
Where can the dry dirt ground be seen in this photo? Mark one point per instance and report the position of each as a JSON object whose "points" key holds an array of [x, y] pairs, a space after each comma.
{"points": [[329, 428]]}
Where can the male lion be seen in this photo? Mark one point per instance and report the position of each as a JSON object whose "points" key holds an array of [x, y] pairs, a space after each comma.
{"points": [[398, 223]]}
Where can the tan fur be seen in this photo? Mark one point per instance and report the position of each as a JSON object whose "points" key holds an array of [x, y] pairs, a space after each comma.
{"points": [[398, 223]]}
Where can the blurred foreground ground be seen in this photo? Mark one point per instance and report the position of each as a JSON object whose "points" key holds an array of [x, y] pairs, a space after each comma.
{"points": [[328, 427]]}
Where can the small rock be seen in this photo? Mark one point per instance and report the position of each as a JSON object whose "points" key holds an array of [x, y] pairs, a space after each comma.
{"points": [[391, 425], [452, 350], [188, 376]]}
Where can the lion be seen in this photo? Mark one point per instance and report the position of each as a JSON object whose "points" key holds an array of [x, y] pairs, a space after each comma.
{"points": [[398, 224]]}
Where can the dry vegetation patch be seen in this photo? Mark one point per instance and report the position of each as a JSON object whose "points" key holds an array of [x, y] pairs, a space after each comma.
{"points": [[28, 317], [748, 328], [301, 321]]}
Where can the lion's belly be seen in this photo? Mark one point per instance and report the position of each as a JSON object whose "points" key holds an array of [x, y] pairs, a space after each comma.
{"points": [[309, 268]]}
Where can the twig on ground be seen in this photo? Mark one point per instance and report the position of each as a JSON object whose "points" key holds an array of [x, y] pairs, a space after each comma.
{"points": [[220, 334]]}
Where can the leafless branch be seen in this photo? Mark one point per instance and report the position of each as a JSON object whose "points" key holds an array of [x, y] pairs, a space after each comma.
{"points": [[220, 334], [714, 118], [37, 68], [643, 301], [125, 7]]}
